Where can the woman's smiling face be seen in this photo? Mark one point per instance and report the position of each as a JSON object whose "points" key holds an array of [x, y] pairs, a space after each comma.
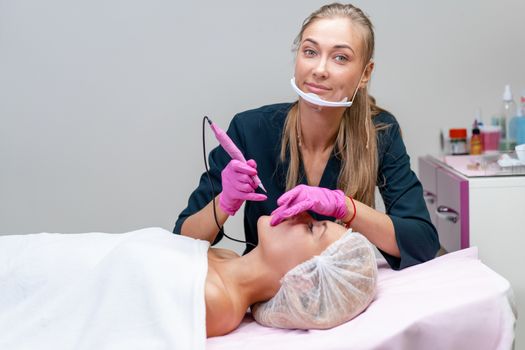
{"points": [[329, 60], [296, 240]]}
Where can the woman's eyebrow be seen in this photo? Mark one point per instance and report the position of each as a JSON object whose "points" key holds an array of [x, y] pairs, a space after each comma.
{"points": [[340, 46], [344, 46], [312, 41]]}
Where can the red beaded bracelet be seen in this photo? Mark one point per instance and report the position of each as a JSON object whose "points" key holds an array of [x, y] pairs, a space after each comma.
{"points": [[347, 225]]}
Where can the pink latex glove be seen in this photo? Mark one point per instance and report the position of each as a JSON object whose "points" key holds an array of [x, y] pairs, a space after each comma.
{"points": [[302, 198], [238, 185]]}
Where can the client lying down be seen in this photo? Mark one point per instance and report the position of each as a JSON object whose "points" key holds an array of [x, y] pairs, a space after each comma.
{"points": [[144, 289], [329, 277]]}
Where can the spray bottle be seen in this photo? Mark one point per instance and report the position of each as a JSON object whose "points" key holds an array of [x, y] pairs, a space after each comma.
{"points": [[507, 113]]}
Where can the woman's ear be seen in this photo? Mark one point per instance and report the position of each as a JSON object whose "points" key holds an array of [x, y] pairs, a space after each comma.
{"points": [[367, 74]]}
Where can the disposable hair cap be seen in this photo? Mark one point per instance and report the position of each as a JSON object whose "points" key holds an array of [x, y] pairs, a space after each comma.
{"points": [[325, 291]]}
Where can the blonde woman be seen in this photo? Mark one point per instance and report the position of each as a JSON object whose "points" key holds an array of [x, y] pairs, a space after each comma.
{"points": [[324, 153]]}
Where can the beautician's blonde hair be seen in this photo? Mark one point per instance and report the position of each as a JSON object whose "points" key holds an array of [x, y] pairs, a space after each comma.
{"points": [[356, 143]]}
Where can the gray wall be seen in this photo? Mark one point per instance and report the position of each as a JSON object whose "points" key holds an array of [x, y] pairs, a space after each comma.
{"points": [[101, 101]]}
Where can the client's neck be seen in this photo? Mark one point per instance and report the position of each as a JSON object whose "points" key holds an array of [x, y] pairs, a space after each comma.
{"points": [[249, 279]]}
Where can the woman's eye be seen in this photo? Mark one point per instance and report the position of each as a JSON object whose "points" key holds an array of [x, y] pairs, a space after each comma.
{"points": [[309, 52], [341, 58], [311, 227]]}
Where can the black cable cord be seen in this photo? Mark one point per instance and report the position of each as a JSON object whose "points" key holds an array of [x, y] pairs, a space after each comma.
{"points": [[221, 229]]}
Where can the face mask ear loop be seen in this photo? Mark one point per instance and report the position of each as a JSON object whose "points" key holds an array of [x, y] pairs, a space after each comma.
{"points": [[360, 79], [357, 89]]}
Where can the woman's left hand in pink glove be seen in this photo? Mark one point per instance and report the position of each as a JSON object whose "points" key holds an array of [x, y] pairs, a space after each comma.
{"points": [[317, 199]]}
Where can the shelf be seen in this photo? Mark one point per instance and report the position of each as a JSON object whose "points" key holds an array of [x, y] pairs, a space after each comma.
{"points": [[482, 165]]}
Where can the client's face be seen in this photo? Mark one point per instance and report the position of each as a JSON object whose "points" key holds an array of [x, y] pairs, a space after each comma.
{"points": [[296, 240]]}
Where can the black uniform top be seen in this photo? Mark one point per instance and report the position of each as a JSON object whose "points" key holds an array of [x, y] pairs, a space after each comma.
{"points": [[257, 133]]}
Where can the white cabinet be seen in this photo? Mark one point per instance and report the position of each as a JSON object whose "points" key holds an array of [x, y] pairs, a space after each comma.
{"points": [[483, 211]]}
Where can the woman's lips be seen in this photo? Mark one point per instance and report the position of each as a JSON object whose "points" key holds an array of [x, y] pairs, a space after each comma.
{"points": [[316, 88]]}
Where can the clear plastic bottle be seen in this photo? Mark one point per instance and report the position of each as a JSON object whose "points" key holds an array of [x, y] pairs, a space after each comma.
{"points": [[508, 111]]}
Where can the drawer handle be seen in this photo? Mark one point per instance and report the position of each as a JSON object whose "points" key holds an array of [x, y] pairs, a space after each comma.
{"points": [[429, 197], [447, 213]]}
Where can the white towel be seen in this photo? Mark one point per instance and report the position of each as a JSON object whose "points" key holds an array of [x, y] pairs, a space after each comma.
{"points": [[138, 290]]}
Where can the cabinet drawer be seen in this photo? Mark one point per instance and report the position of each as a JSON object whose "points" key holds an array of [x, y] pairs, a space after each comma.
{"points": [[452, 210]]}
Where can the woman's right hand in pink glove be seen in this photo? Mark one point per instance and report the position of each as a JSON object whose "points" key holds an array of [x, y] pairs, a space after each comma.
{"points": [[238, 185]]}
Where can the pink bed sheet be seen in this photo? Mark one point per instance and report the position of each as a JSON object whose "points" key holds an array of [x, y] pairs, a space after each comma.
{"points": [[451, 302]]}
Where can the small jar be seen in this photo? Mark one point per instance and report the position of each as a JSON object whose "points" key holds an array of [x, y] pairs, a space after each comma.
{"points": [[458, 141]]}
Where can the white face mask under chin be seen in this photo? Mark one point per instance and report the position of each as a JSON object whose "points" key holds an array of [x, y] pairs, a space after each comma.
{"points": [[316, 100]]}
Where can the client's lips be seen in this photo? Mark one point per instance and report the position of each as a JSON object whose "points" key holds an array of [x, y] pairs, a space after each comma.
{"points": [[316, 88]]}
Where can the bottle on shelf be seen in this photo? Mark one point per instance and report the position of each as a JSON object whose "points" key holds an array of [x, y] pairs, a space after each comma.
{"points": [[508, 139], [458, 141], [476, 143]]}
